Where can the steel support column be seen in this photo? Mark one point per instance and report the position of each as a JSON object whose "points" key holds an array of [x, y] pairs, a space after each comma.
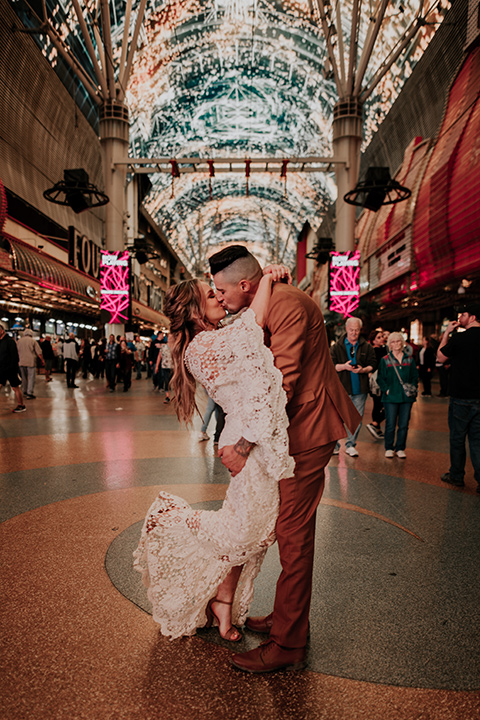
{"points": [[347, 138], [114, 136]]}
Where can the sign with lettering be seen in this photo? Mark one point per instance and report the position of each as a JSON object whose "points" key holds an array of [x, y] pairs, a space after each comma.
{"points": [[344, 282], [115, 301], [83, 254]]}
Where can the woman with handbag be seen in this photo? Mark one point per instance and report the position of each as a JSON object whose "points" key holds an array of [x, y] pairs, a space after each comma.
{"points": [[398, 381]]}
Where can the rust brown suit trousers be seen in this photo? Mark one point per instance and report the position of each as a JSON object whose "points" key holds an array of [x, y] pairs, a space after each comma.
{"points": [[318, 409]]}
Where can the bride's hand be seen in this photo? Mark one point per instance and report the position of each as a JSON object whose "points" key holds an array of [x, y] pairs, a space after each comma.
{"points": [[279, 273]]}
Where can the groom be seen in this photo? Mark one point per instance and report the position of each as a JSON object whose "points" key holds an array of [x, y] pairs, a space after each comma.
{"points": [[318, 408]]}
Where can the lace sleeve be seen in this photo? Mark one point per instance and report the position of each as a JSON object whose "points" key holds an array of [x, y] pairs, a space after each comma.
{"points": [[237, 370]]}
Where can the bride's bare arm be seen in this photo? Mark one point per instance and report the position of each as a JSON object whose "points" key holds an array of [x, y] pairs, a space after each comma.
{"points": [[260, 302]]}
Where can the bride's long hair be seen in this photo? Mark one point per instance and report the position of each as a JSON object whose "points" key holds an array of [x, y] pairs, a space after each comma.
{"points": [[185, 308]]}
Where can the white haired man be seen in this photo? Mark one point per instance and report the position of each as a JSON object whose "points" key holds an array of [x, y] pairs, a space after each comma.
{"points": [[28, 352], [354, 358]]}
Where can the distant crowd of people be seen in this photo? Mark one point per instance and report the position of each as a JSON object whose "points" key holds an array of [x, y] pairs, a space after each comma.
{"points": [[114, 359], [387, 366]]}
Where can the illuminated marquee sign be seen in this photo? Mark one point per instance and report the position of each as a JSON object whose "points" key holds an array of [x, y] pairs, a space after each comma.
{"points": [[83, 253], [344, 282], [115, 286]]}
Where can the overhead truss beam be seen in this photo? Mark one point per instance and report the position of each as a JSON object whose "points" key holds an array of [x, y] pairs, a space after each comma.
{"points": [[246, 166]]}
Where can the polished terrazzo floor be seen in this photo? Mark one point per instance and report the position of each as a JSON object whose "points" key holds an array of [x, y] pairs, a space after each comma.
{"points": [[395, 613]]}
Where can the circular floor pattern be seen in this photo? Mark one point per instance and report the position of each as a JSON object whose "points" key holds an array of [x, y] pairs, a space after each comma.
{"points": [[372, 617]]}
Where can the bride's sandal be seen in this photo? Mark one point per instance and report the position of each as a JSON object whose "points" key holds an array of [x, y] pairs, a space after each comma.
{"points": [[232, 634]]}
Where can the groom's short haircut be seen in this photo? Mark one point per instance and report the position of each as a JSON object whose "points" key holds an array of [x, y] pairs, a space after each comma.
{"points": [[237, 263]]}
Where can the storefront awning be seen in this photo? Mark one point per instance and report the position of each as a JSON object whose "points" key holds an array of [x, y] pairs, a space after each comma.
{"points": [[141, 312], [48, 272]]}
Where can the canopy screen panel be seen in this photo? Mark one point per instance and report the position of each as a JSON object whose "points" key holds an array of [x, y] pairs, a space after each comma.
{"points": [[242, 78]]}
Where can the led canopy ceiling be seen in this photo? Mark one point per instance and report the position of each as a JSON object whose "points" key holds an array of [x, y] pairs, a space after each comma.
{"points": [[240, 79]]}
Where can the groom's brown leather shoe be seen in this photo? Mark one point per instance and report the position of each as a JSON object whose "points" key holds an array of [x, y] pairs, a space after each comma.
{"points": [[259, 624], [268, 657]]}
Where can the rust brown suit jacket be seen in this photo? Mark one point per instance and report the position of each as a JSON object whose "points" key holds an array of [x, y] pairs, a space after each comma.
{"points": [[318, 407]]}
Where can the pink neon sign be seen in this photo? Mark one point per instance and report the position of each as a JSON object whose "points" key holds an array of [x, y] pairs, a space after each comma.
{"points": [[344, 282], [115, 285]]}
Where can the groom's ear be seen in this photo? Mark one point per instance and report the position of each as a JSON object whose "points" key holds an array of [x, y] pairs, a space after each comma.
{"points": [[245, 286]]}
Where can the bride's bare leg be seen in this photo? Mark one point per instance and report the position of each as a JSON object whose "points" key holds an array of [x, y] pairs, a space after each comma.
{"points": [[223, 607]]}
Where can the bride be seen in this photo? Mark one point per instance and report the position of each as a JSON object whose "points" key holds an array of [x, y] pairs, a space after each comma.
{"points": [[199, 565]]}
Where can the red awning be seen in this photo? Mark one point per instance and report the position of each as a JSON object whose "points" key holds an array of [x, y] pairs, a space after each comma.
{"points": [[49, 272]]}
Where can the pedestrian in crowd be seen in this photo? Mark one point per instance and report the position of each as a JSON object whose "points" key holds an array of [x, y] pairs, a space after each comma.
{"points": [[153, 356], [70, 353], [139, 356], [462, 350], [48, 357], [376, 339], [398, 380], [212, 407], [29, 352], [354, 358], [9, 368], [85, 357], [148, 351], [125, 364], [426, 366], [167, 368], [58, 352], [98, 359], [111, 361]]}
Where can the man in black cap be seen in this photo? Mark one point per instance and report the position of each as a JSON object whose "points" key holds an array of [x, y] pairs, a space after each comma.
{"points": [[462, 350]]}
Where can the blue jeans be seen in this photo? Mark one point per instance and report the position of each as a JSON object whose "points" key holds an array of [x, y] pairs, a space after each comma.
{"points": [[359, 402], [396, 413], [463, 422], [211, 407]]}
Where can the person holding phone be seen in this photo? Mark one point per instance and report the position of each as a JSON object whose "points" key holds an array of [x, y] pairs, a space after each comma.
{"points": [[354, 359], [460, 347]]}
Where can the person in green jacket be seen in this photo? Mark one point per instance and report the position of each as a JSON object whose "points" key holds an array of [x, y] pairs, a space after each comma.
{"points": [[397, 404]]}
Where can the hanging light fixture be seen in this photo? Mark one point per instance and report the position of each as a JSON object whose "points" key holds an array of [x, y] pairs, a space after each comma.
{"points": [[376, 190], [76, 191]]}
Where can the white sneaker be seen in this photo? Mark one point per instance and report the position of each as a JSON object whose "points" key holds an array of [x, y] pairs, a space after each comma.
{"points": [[336, 450], [351, 451], [202, 436], [389, 453], [401, 454]]}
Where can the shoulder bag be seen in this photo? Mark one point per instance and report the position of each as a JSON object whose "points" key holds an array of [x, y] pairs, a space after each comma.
{"points": [[409, 389]]}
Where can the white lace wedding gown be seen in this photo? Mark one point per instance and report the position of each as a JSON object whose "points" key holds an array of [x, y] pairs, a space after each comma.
{"points": [[184, 554]]}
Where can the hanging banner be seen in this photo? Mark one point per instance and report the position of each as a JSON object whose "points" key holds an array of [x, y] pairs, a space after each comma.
{"points": [[115, 301], [344, 282]]}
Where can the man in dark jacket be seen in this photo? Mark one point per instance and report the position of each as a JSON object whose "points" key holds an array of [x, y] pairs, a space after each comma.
{"points": [[48, 357], [354, 359], [462, 350], [9, 370], [112, 358]]}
